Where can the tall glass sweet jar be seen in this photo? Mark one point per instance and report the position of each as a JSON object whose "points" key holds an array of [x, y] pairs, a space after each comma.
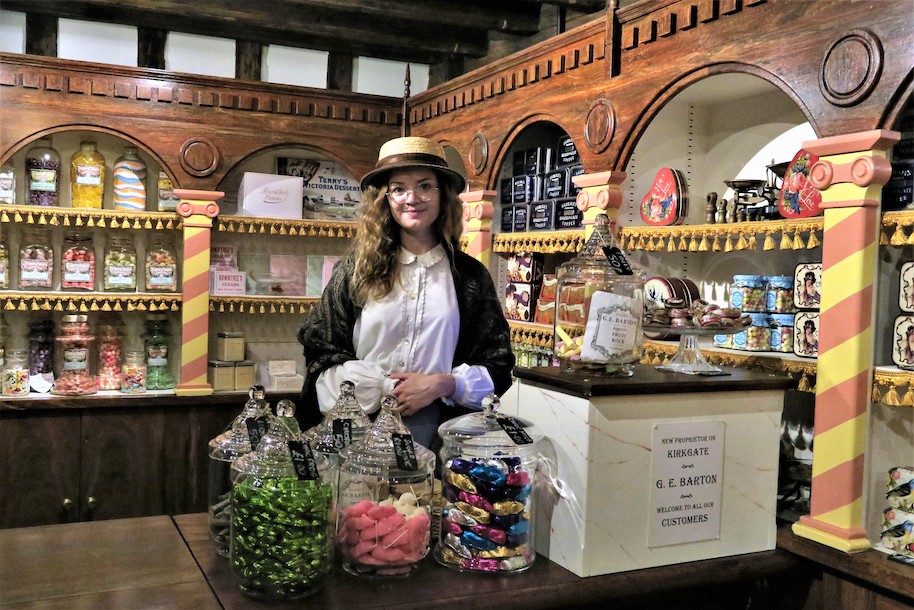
{"points": [[129, 181], [488, 462], [87, 177], [36, 260], [8, 183], [384, 504], [75, 357], [4, 265], [599, 308], [42, 174], [281, 544], [157, 341], [120, 264], [240, 438], [110, 352]]}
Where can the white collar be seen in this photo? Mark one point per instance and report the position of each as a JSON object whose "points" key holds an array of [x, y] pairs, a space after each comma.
{"points": [[424, 260]]}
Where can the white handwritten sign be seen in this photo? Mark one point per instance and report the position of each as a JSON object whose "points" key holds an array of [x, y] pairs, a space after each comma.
{"points": [[687, 464]]}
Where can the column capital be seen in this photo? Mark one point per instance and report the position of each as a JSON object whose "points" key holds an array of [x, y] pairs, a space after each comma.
{"points": [[876, 139]]}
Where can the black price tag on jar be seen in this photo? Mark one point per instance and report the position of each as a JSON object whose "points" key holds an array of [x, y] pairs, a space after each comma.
{"points": [[405, 451], [342, 433], [303, 461], [617, 260], [257, 427], [515, 430]]}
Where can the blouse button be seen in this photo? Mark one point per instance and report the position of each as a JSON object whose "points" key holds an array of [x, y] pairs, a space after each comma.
{"points": [[402, 364]]}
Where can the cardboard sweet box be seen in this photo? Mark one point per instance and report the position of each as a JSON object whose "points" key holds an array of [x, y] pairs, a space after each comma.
{"points": [[806, 334], [520, 301], [807, 286], [906, 288], [525, 267], [270, 196], [903, 342], [329, 191], [898, 531]]}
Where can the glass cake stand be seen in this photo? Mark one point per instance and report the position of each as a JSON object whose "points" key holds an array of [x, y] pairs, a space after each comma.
{"points": [[688, 358]]}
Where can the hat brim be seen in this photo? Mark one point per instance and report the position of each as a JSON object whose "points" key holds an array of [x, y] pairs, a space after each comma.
{"points": [[378, 176]]}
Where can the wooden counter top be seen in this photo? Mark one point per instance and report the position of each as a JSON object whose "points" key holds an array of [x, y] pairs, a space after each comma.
{"points": [[648, 380], [121, 563], [544, 585], [113, 399]]}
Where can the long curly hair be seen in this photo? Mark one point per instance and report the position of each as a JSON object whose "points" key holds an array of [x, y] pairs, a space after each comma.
{"points": [[377, 242]]}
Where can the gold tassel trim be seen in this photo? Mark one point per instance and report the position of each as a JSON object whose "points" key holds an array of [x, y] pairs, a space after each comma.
{"points": [[891, 397]]}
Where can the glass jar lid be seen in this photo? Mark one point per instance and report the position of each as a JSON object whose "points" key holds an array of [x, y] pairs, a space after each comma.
{"points": [[377, 453], [272, 457], [487, 432], [343, 425], [236, 440]]}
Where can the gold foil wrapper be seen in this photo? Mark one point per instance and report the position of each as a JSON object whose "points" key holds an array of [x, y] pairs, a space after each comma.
{"points": [[507, 507], [462, 481], [450, 556], [477, 513], [501, 552]]}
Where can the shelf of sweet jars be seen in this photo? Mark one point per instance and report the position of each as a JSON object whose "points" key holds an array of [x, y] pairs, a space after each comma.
{"points": [[84, 302], [787, 234], [262, 304], [657, 352], [283, 226], [89, 218], [541, 242]]}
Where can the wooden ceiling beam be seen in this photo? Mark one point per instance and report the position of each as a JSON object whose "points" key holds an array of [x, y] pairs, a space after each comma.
{"points": [[277, 22]]}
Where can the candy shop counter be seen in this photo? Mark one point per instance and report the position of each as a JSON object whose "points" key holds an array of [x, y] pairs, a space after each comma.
{"points": [[113, 399]]}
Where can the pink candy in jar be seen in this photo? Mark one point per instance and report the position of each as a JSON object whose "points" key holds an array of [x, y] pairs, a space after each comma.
{"points": [[75, 368], [389, 536], [110, 354]]}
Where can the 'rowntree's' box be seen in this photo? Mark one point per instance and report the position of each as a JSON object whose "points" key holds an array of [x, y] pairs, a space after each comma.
{"points": [[329, 193]]}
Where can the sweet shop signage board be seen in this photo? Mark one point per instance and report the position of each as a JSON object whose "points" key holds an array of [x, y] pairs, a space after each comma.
{"points": [[687, 468]]}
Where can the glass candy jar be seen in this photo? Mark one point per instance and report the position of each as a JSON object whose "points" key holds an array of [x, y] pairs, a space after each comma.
{"points": [[41, 346], [42, 174], [2, 340], [384, 504], [130, 181], [77, 262], [157, 339], [4, 267], [15, 381], [36, 261], [343, 425], [133, 377], [488, 463], [87, 177], [75, 358], [281, 544], [161, 265], [599, 308], [120, 264], [110, 353], [8, 183], [248, 426]]}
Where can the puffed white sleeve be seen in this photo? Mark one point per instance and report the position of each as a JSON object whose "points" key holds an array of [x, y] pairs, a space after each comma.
{"points": [[473, 384], [370, 385]]}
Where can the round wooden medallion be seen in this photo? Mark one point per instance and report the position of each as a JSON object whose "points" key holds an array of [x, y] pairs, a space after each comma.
{"points": [[851, 68], [479, 153], [199, 157], [600, 125]]}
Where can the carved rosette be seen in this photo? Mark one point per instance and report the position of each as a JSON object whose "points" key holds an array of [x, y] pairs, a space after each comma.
{"points": [[199, 157], [478, 156], [599, 125], [851, 68]]}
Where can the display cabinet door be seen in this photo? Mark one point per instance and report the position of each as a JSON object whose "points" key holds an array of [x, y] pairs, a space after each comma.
{"points": [[122, 457], [39, 468]]}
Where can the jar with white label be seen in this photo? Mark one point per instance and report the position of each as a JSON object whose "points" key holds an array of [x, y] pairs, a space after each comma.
{"points": [[15, 371], [36, 261], [42, 174], [8, 184], [599, 308], [161, 265], [77, 262], [87, 177], [157, 340], [120, 264], [75, 358]]}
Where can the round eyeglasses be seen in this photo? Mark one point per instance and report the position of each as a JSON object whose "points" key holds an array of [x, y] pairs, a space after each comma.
{"points": [[423, 192]]}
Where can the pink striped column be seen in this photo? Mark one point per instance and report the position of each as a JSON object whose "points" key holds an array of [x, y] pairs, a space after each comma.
{"points": [[478, 211], [198, 209], [600, 194], [850, 173]]}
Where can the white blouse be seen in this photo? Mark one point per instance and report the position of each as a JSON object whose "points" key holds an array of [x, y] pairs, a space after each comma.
{"points": [[413, 329]]}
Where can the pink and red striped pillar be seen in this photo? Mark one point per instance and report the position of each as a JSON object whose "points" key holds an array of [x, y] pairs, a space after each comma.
{"points": [[478, 211], [850, 173], [198, 208]]}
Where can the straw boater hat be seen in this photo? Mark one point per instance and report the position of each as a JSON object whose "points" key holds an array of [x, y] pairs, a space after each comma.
{"points": [[411, 152]]}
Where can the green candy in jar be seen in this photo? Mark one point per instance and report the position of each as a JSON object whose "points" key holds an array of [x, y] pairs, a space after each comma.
{"points": [[157, 339], [120, 265], [281, 542]]}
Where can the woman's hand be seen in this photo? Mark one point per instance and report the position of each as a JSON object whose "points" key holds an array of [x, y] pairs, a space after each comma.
{"points": [[415, 391]]}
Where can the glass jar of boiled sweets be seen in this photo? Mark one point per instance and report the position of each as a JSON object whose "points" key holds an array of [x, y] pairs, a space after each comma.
{"points": [[779, 294], [4, 266], [747, 292], [77, 262], [41, 346], [120, 264], [87, 176], [42, 174], [133, 379], [15, 372], [75, 358], [757, 336], [36, 261], [161, 265], [110, 353], [157, 340], [781, 334]]}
